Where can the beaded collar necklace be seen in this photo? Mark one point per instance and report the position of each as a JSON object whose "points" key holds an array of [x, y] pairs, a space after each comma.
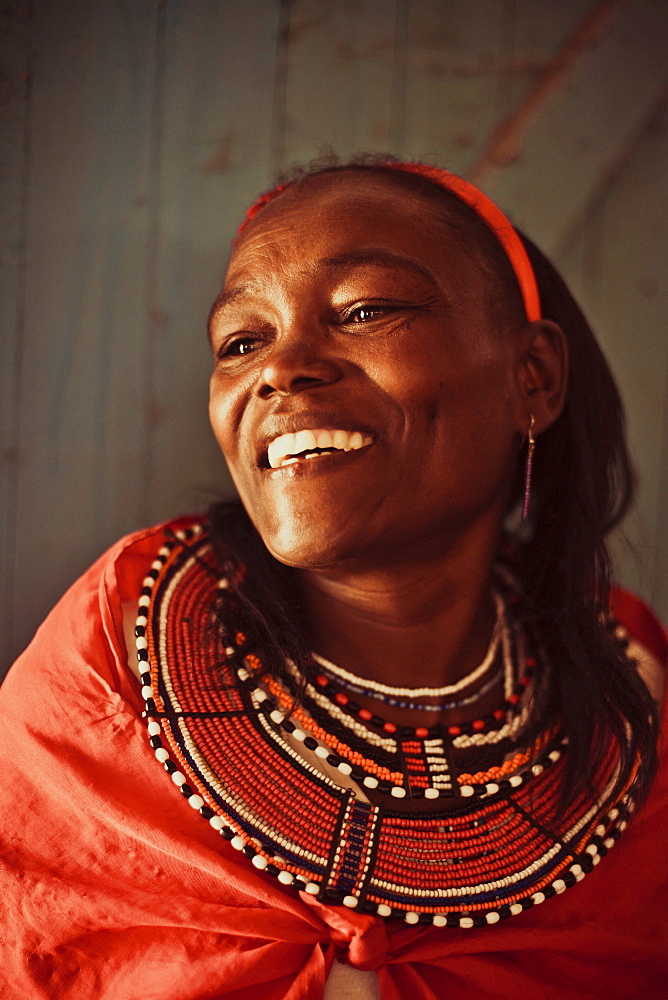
{"points": [[253, 769]]}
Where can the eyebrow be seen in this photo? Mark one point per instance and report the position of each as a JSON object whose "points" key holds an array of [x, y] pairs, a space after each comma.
{"points": [[340, 261], [375, 256]]}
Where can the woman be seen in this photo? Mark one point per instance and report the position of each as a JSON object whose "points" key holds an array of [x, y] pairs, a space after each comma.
{"points": [[395, 691]]}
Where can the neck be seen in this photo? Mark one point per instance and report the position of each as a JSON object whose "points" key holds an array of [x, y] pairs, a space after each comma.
{"points": [[426, 622]]}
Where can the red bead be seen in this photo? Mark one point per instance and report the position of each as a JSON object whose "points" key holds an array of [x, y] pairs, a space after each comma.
{"points": [[389, 727], [513, 699], [454, 731], [365, 714], [478, 724], [321, 681], [341, 698], [499, 714], [421, 732]]}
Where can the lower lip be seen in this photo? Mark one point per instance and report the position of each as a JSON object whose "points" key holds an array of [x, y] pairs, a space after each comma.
{"points": [[308, 467]]}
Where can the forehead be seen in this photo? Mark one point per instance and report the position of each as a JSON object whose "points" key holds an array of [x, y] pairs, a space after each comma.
{"points": [[348, 212]]}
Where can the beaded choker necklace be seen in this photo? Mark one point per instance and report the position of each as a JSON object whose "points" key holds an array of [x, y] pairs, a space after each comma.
{"points": [[288, 785]]}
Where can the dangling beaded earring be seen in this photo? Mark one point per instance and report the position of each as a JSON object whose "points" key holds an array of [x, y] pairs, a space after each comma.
{"points": [[531, 443]]}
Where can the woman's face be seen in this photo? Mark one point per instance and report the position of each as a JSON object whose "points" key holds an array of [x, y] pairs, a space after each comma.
{"points": [[350, 312]]}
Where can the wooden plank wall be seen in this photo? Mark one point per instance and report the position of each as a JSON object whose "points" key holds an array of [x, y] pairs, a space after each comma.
{"points": [[133, 136]]}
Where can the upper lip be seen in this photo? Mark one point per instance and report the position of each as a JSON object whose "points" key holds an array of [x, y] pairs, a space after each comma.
{"points": [[290, 423]]}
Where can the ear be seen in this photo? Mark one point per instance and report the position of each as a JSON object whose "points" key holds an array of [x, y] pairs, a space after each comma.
{"points": [[541, 374]]}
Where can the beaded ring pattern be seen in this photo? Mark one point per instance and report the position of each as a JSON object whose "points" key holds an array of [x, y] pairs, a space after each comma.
{"points": [[214, 727]]}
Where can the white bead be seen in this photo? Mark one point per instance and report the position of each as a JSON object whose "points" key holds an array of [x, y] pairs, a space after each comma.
{"points": [[614, 813], [259, 862], [515, 780], [591, 849], [146, 692], [515, 908], [491, 788], [242, 674], [196, 801], [286, 878], [178, 778], [260, 695], [596, 859], [398, 792], [276, 717], [575, 869], [161, 754], [554, 755], [537, 769], [153, 728], [538, 897], [141, 642], [411, 917], [321, 751], [578, 878], [439, 920], [299, 735], [609, 842], [600, 830], [312, 888], [493, 917], [559, 885], [383, 910], [144, 601], [370, 781], [230, 650], [344, 767], [465, 922], [431, 793], [350, 901], [238, 843], [466, 791], [217, 822]]}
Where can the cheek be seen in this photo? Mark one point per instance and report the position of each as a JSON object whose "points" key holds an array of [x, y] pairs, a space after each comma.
{"points": [[222, 416]]}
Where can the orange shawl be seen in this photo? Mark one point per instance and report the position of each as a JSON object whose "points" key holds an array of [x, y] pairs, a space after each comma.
{"points": [[112, 887]]}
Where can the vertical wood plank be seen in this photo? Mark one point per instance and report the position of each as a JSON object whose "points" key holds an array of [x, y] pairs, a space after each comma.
{"points": [[344, 77], [215, 148], [470, 64], [80, 437], [14, 170]]}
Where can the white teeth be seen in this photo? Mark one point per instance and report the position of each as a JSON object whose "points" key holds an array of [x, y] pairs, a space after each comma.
{"points": [[340, 440], [304, 441], [283, 449]]}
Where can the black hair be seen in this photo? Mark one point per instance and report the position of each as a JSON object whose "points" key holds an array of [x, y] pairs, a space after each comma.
{"points": [[584, 485]]}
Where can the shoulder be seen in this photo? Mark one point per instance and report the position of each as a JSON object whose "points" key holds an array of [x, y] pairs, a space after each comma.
{"points": [[83, 635], [648, 643]]}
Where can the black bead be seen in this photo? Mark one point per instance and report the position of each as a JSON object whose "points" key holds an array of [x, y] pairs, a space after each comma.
{"points": [[142, 655], [249, 851], [207, 812], [145, 679], [146, 591], [377, 721], [310, 743], [186, 790], [299, 884], [272, 869], [549, 892], [140, 630], [425, 918], [504, 911], [333, 761], [155, 742], [452, 919], [150, 705], [227, 833], [288, 726], [569, 879], [479, 920], [527, 903], [169, 766]]}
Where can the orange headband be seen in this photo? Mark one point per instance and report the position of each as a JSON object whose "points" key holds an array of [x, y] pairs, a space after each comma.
{"points": [[485, 209]]}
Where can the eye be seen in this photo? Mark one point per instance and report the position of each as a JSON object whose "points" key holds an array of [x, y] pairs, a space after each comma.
{"points": [[238, 347], [364, 314]]}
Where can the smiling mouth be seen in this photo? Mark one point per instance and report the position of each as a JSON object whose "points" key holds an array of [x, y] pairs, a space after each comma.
{"points": [[288, 449]]}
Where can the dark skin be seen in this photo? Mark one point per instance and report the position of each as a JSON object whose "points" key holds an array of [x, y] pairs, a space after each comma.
{"points": [[348, 305]]}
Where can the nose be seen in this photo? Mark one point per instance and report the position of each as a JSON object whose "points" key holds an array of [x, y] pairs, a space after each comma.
{"points": [[296, 364]]}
